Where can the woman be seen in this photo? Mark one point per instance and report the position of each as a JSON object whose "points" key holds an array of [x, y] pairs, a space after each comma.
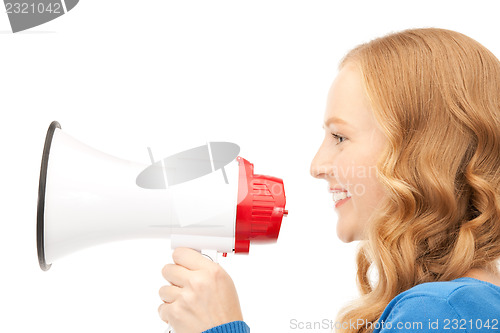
{"points": [[412, 154]]}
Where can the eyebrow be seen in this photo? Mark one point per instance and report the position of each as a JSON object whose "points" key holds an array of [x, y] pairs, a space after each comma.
{"points": [[336, 120]]}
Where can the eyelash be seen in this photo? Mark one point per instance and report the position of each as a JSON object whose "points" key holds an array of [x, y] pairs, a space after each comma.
{"points": [[338, 137]]}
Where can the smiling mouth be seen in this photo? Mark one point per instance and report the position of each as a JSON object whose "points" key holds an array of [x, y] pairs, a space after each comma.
{"points": [[338, 196]]}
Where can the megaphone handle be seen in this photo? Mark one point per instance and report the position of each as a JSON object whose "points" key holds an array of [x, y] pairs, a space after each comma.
{"points": [[211, 254]]}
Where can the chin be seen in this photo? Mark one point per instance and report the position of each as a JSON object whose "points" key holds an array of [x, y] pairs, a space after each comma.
{"points": [[347, 235], [344, 236], [346, 240]]}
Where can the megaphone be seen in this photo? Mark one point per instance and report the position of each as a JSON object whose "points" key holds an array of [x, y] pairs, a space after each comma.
{"points": [[205, 198]]}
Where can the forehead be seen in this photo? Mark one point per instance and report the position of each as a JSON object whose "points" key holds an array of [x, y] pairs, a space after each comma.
{"points": [[348, 101]]}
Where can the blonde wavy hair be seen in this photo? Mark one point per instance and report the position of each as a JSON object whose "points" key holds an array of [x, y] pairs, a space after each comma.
{"points": [[436, 96]]}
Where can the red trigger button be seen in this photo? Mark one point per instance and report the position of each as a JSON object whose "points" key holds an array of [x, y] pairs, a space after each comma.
{"points": [[224, 254]]}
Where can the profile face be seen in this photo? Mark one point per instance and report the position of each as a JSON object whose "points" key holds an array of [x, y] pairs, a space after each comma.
{"points": [[348, 161]]}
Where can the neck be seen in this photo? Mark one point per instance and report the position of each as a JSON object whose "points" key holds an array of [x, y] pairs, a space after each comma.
{"points": [[492, 276]]}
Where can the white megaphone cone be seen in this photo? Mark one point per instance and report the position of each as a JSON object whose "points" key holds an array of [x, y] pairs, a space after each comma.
{"points": [[87, 197]]}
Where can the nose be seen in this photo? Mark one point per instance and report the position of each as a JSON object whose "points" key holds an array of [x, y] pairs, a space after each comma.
{"points": [[321, 165]]}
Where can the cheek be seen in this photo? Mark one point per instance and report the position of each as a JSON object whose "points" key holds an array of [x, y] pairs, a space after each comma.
{"points": [[362, 179], [344, 172], [367, 189], [358, 173], [369, 192]]}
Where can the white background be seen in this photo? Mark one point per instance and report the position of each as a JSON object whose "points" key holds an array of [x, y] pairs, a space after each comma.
{"points": [[123, 75]]}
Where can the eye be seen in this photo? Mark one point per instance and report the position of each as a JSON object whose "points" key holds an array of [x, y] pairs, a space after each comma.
{"points": [[338, 137]]}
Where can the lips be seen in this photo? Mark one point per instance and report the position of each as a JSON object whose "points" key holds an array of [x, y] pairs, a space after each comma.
{"points": [[341, 202], [336, 189]]}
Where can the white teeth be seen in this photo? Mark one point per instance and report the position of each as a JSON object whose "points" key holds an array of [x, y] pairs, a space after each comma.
{"points": [[337, 196]]}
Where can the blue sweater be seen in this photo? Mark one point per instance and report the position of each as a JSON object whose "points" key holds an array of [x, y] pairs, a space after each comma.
{"points": [[462, 305], [232, 327]]}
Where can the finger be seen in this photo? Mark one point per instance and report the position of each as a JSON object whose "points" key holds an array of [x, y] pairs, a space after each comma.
{"points": [[169, 294], [163, 312], [175, 274], [190, 259]]}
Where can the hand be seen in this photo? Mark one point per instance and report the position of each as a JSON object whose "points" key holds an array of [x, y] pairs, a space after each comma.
{"points": [[202, 294]]}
